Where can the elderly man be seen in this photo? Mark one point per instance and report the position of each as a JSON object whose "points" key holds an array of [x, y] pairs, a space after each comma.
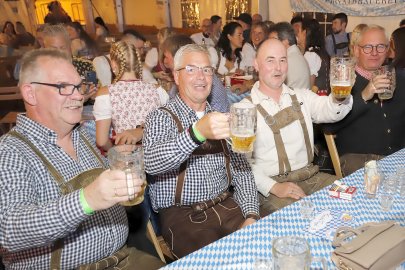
{"points": [[58, 203], [298, 75], [374, 128], [283, 151], [201, 189], [204, 37]]}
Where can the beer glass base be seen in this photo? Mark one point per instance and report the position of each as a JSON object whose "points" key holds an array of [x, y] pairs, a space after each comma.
{"points": [[370, 196], [136, 201]]}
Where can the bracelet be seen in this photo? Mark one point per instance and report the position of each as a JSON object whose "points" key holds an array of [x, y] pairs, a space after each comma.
{"points": [[254, 216], [197, 134], [193, 137], [85, 206]]}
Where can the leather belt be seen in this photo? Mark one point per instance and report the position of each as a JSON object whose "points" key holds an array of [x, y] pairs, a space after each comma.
{"points": [[202, 206]]}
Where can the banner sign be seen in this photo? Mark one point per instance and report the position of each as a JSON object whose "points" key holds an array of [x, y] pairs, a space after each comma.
{"points": [[351, 7]]}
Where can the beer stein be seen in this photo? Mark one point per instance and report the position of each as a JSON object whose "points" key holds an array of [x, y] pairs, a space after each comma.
{"points": [[129, 158], [292, 252], [390, 73], [243, 127], [342, 76]]}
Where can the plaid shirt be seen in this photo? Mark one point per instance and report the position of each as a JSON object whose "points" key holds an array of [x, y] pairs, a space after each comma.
{"points": [[34, 214], [165, 149]]}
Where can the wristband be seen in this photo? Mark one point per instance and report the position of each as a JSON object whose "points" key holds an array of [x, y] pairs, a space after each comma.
{"points": [[85, 206], [197, 134], [193, 137]]}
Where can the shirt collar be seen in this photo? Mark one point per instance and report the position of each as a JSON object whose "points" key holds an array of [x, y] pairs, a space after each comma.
{"points": [[33, 129], [187, 110], [261, 96], [364, 73]]}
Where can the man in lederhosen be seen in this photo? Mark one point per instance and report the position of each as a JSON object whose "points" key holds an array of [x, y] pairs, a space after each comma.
{"points": [[58, 202], [283, 151], [201, 189]]}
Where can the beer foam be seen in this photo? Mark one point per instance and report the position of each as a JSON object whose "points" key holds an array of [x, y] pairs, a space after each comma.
{"points": [[337, 83]]}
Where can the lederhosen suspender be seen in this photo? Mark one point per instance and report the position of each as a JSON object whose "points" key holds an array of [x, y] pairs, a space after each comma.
{"points": [[280, 120], [341, 45], [65, 187], [209, 147]]}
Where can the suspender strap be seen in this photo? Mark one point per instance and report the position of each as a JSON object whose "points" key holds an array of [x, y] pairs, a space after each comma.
{"points": [[227, 155], [183, 166], [334, 43]]}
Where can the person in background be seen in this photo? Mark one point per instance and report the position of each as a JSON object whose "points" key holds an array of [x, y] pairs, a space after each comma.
{"points": [[258, 33], [216, 23], [298, 74], [245, 20], [59, 202], [397, 46], [337, 43], [8, 35], [283, 153], [204, 37], [316, 56], [189, 190], [402, 23], [125, 103], [354, 37], [101, 29], [82, 44], [256, 18], [296, 23], [23, 38], [56, 14], [374, 128], [153, 55], [39, 41], [218, 96]]}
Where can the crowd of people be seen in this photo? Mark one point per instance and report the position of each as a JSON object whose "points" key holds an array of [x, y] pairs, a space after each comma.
{"points": [[59, 202]]}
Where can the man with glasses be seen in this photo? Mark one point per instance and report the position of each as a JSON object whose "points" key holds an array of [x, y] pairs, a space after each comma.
{"points": [[204, 38], [201, 189], [374, 128], [59, 205]]}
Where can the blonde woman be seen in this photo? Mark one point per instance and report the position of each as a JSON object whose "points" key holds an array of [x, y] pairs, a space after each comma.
{"points": [[125, 103]]}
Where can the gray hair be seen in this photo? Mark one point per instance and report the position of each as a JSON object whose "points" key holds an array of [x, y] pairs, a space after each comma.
{"points": [[284, 31], [30, 68], [186, 49], [54, 30], [371, 27]]}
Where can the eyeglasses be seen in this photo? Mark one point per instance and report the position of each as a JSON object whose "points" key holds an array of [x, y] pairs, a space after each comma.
{"points": [[67, 89], [192, 70], [380, 48]]}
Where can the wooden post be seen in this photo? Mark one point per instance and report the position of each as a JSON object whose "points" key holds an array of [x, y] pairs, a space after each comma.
{"points": [[88, 16], [120, 16]]}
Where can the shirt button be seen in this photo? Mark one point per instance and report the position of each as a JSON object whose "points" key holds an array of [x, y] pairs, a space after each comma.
{"points": [[389, 130], [389, 147], [385, 115], [375, 101], [337, 112]]}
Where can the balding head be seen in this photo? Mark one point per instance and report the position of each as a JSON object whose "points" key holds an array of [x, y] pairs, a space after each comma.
{"points": [[271, 62]]}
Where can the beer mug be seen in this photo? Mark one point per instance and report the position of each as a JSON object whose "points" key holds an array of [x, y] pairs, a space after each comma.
{"points": [[390, 73], [372, 178], [342, 76], [292, 252], [243, 127], [129, 158]]}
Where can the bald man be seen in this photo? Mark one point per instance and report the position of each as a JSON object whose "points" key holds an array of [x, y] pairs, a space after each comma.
{"points": [[283, 151], [204, 38]]}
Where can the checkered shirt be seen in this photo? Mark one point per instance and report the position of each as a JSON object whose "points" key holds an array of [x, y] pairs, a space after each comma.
{"points": [[34, 214], [165, 149]]}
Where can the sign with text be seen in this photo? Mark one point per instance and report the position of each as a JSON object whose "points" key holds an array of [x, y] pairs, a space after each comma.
{"points": [[351, 7]]}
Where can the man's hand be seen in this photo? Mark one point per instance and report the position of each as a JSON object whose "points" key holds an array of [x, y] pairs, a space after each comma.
{"points": [[287, 190], [375, 86], [247, 222], [214, 126], [91, 93], [110, 188], [131, 136]]}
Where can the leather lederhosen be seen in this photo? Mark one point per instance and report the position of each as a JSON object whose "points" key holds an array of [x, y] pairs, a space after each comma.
{"points": [[278, 121], [207, 148], [66, 187]]}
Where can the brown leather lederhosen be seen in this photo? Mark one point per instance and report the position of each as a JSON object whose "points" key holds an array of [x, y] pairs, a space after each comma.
{"points": [[207, 148], [66, 187], [278, 121]]}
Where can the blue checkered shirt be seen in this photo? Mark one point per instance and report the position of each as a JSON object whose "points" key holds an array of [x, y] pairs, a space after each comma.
{"points": [[34, 214], [165, 149]]}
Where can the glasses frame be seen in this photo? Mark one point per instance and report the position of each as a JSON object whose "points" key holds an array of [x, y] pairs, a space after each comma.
{"points": [[368, 46], [59, 86], [196, 69]]}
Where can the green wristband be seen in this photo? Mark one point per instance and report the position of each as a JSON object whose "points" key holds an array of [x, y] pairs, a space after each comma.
{"points": [[198, 135], [85, 206]]}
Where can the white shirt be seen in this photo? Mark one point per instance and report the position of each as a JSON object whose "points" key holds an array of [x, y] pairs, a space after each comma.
{"points": [[314, 62], [249, 54], [298, 70], [152, 58], [223, 70], [317, 109], [199, 39]]}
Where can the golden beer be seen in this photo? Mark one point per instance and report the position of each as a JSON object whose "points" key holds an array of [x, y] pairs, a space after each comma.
{"points": [[341, 91], [138, 199], [242, 143]]}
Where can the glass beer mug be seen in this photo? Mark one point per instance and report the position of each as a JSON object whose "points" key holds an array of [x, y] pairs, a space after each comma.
{"points": [[129, 158], [292, 252], [243, 127], [342, 76]]}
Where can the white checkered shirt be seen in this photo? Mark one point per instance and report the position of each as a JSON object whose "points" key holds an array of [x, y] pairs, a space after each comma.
{"points": [[165, 149], [34, 214]]}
